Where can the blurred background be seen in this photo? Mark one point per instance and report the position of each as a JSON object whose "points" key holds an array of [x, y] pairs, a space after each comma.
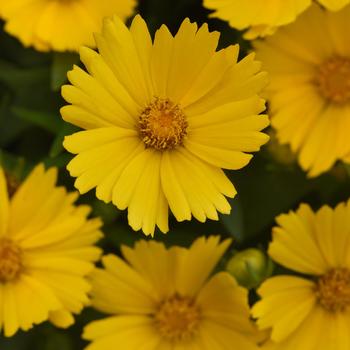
{"points": [[32, 131]]}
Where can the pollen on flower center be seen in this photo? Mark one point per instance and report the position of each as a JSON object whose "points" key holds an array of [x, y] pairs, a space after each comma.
{"points": [[177, 318], [333, 80], [333, 290], [10, 260], [163, 124]]}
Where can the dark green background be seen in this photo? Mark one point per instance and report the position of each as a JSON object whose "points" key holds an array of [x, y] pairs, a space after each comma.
{"points": [[31, 131]]}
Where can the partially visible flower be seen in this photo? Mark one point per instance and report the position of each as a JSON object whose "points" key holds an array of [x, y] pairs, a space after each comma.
{"points": [[309, 93], [333, 5], [162, 119], [262, 18], [162, 299], [311, 312], [60, 25], [46, 250]]}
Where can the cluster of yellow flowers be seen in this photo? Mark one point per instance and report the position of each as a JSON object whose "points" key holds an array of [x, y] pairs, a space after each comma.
{"points": [[161, 119]]}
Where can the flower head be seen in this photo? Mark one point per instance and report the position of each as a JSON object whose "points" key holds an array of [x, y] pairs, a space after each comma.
{"points": [[162, 118], [317, 246], [46, 250], [309, 63], [165, 298], [262, 18], [59, 25]]}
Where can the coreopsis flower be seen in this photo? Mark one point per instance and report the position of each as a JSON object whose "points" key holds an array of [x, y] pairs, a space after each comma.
{"points": [[310, 311], [59, 25], [46, 251], [309, 93], [165, 299], [162, 118], [262, 18]]}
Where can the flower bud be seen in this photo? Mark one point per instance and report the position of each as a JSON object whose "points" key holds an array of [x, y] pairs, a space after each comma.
{"points": [[250, 267]]}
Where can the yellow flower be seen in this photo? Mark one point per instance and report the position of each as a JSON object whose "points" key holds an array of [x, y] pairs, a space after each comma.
{"points": [[309, 63], [59, 25], [164, 299], [333, 5], [162, 119], [46, 250], [311, 312], [263, 17]]}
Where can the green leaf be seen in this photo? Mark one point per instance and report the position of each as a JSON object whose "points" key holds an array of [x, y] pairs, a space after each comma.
{"points": [[60, 161], [109, 213], [264, 194], [17, 342], [45, 120], [61, 64], [58, 341], [234, 223], [15, 76], [120, 233], [17, 166], [10, 126]]}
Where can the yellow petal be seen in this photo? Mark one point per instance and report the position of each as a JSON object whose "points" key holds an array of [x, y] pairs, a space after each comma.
{"points": [[173, 190], [102, 73], [31, 196], [145, 258], [148, 206], [4, 204], [286, 303], [240, 82], [69, 287], [224, 337], [295, 244], [92, 95], [211, 75], [198, 262], [333, 5], [192, 51], [231, 309], [117, 47], [202, 192], [61, 318], [129, 332], [108, 153]]}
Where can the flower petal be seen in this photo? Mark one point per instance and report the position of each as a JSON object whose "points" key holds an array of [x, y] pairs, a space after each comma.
{"points": [[286, 303], [4, 207]]}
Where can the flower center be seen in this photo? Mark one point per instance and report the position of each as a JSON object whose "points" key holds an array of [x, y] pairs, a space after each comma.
{"points": [[177, 318], [333, 80], [10, 260], [333, 290], [163, 124]]}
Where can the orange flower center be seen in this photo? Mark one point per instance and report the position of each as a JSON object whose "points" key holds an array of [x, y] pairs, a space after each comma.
{"points": [[10, 260], [163, 124], [177, 318], [333, 290], [333, 80]]}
